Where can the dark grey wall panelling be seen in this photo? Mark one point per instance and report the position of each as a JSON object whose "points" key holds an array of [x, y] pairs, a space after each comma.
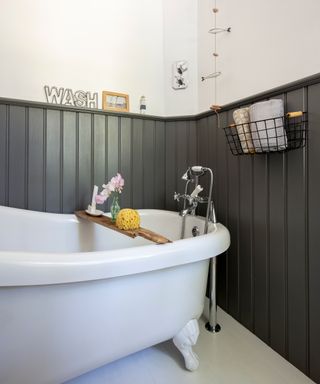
{"points": [[297, 256], [159, 166], [113, 153], [260, 245], [85, 157], [269, 277], [137, 163], [192, 143], [221, 205], [181, 153], [35, 160], [50, 157], [99, 147], [171, 167], [69, 156], [233, 166], [3, 155], [204, 150], [312, 272], [245, 241], [17, 159], [53, 164], [148, 143], [125, 160], [277, 225], [277, 216]]}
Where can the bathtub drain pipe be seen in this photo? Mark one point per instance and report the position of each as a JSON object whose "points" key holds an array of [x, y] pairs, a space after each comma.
{"points": [[212, 325]]}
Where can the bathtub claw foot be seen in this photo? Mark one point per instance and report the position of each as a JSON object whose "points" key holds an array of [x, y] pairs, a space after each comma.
{"points": [[184, 341]]}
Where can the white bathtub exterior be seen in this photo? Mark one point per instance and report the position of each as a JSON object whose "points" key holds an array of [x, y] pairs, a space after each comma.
{"points": [[75, 295]]}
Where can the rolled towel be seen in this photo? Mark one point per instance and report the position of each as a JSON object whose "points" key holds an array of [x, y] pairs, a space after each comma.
{"points": [[242, 118], [267, 130]]}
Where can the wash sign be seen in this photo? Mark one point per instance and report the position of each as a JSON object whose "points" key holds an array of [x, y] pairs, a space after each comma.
{"points": [[65, 96]]}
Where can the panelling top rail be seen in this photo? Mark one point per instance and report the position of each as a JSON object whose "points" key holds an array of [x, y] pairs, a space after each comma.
{"points": [[307, 81], [60, 107]]}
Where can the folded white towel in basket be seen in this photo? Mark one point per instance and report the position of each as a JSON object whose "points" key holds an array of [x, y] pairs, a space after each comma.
{"points": [[242, 119], [269, 134]]}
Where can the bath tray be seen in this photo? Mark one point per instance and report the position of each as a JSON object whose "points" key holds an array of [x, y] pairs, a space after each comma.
{"points": [[107, 222]]}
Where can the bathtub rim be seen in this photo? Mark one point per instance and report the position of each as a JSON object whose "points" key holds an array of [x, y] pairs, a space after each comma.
{"points": [[26, 268]]}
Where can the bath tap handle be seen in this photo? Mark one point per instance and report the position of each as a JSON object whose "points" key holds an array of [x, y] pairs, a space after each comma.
{"points": [[176, 196], [196, 191], [203, 200]]}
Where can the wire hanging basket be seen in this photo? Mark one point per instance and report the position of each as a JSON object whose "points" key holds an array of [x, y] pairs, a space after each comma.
{"points": [[270, 135]]}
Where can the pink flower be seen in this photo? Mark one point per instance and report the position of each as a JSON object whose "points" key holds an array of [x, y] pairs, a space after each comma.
{"points": [[107, 189], [100, 199], [116, 183]]}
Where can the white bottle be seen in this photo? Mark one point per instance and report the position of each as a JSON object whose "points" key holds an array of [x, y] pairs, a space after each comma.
{"points": [[143, 105]]}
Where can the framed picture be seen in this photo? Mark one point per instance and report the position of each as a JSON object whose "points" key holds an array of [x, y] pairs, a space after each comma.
{"points": [[113, 101]]}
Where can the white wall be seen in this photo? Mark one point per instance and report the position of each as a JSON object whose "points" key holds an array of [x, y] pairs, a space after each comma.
{"points": [[205, 50], [180, 43], [129, 46], [272, 43], [79, 44]]}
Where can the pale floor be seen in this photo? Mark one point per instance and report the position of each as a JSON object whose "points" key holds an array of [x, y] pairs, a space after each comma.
{"points": [[233, 356]]}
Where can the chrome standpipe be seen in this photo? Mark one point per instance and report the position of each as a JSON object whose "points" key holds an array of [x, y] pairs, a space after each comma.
{"points": [[210, 202], [192, 175], [183, 227], [212, 325]]}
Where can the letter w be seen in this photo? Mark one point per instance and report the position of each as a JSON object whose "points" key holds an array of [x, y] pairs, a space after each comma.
{"points": [[54, 95]]}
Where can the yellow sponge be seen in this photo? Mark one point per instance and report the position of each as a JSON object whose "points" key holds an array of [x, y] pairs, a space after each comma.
{"points": [[128, 219]]}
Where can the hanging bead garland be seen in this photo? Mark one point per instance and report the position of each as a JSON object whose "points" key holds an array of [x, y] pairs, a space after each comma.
{"points": [[215, 30]]}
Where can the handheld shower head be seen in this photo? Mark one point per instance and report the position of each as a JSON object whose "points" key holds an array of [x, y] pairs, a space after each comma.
{"points": [[194, 172], [198, 170]]}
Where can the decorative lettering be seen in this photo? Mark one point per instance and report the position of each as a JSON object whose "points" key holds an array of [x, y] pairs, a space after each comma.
{"points": [[65, 96], [53, 95], [92, 100], [80, 99], [68, 97]]}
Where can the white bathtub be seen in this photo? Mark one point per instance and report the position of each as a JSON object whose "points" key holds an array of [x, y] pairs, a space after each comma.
{"points": [[75, 295]]}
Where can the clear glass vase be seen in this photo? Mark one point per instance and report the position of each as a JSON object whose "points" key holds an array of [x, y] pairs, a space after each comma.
{"points": [[115, 207]]}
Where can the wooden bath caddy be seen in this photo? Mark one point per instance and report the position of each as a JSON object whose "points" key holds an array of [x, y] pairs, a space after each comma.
{"points": [[107, 222]]}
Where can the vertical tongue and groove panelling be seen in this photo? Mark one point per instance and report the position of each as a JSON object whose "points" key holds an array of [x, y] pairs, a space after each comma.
{"points": [[52, 156], [311, 271], [269, 278]]}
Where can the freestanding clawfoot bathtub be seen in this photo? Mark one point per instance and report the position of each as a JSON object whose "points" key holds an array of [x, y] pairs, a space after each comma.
{"points": [[75, 295]]}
